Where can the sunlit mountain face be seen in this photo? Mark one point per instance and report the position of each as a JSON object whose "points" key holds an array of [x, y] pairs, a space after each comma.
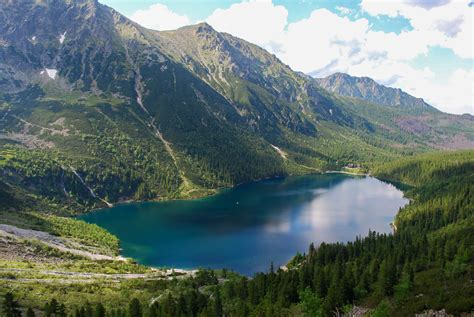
{"points": [[175, 108]]}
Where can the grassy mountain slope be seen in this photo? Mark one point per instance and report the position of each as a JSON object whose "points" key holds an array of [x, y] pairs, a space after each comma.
{"points": [[413, 116], [426, 263], [366, 88], [95, 109]]}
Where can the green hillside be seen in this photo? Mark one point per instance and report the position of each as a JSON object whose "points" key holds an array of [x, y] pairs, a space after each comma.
{"points": [[425, 263], [97, 110], [102, 110]]}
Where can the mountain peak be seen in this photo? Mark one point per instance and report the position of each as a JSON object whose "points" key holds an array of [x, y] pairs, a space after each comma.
{"points": [[354, 79], [368, 89], [202, 27]]}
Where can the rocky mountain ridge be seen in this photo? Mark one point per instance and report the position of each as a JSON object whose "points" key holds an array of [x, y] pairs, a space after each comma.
{"points": [[96, 108], [368, 89]]}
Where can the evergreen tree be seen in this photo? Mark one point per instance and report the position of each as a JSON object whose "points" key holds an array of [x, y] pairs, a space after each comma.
{"points": [[30, 312], [154, 310], [386, 278], [99, 310], [51, 308], [61, 310], [218, 312], [10, 306], [311, 304], [134, 308]]}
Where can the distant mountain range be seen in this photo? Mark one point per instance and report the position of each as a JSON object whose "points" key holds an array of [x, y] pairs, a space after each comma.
{"points": [[95, 108], [368, 89]]}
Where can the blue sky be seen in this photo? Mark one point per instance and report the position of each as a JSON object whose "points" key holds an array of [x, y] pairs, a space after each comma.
{"points": [[423, 47], [298, 9]]}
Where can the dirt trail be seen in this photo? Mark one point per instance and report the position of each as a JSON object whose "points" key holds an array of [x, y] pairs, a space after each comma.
{"points": [[69, 277], [17, 236], [64, 132], [153, 273], [59, 243]]}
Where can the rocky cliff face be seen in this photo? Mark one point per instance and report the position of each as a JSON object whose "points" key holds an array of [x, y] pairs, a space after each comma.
{"points": [[95, 103], [368, 89], [72, 40]]}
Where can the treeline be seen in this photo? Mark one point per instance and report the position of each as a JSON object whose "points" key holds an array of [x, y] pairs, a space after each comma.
{"points": [[201, 297], [426, 263], [81, 231], [117, 167], [427, 168], [169, 307]]}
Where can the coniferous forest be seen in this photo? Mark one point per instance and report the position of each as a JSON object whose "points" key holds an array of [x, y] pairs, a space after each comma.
{"points": [[98, 112], [425, 263]]}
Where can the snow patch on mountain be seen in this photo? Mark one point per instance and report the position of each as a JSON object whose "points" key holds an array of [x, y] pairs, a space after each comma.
{"points": [[62, 37], [51, 72]]}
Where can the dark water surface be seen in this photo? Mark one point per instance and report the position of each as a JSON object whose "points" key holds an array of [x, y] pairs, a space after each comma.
{"points": [[247, 227]]}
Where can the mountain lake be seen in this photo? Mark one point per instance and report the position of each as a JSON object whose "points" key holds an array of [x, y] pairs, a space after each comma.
{"points": [[248, 227]]}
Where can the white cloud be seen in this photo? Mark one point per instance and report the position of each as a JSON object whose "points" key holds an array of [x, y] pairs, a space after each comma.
{"points": [[257, 21], [445, 23], [344, 10], [160, 17], [326, 42], [452, 95], [310, 45]]}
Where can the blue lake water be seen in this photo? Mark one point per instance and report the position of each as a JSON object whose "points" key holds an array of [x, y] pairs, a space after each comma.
{"points": [[247, 227]]}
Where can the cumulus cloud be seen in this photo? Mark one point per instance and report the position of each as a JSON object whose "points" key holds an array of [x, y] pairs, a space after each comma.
{"points": [[309, 44], [454, 95], [344, 10], [443, 23], [428, 4], [160, 17], [327, 42], [450, 28], [257, 21]]}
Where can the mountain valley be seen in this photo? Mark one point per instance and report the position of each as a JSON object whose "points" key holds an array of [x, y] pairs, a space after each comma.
{"points": [[97, 111], [107, 110]]}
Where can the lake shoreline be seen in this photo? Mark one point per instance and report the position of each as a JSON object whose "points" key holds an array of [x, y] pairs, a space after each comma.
{"points": [[347, 173], [211, 192], [228, 202], [215, 191]]}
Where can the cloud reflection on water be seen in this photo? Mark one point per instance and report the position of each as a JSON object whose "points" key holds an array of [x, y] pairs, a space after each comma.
{"points": [[271, 222], [336, 214]]}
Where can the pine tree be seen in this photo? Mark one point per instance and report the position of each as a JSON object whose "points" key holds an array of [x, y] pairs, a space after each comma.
{"points": [[320, 283], [386, 278], [99, 310], [10, 306], [61, 312], [30, 312], [134, 308], [310, 303], [218, 312], [154, 310]]}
